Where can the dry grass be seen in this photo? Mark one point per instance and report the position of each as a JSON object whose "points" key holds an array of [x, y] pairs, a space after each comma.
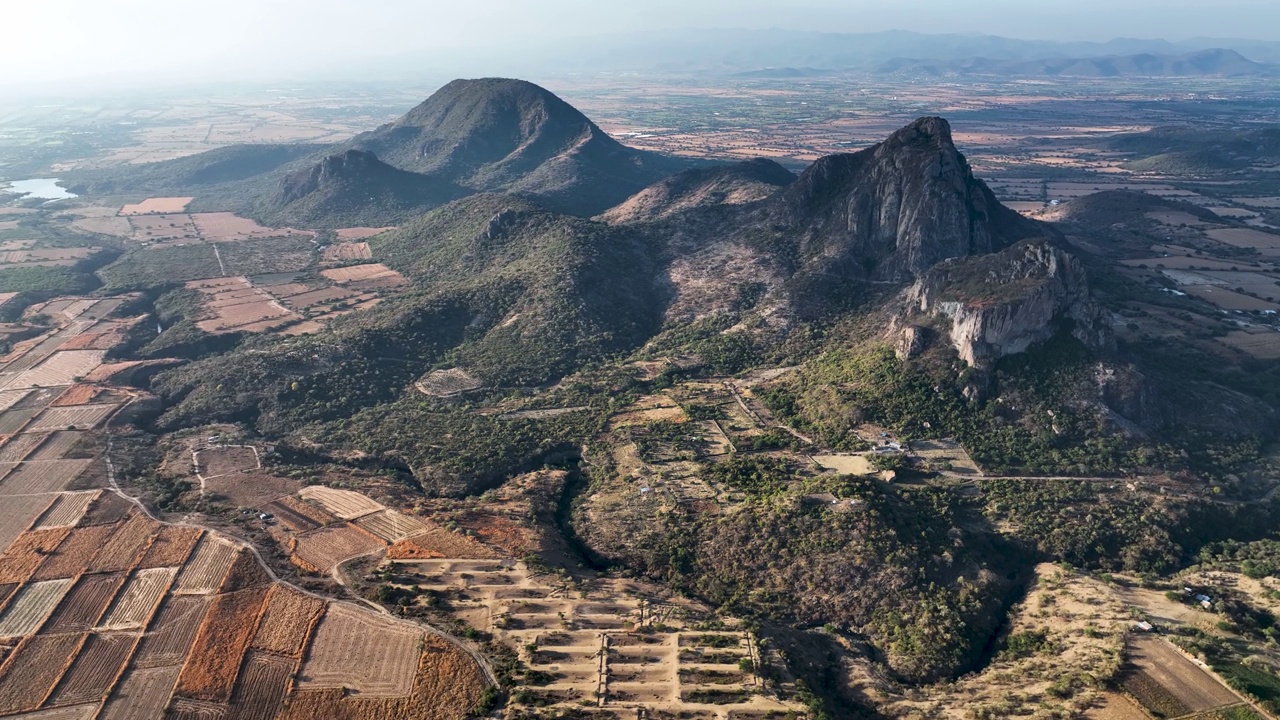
{"points": [[210, 671], [73, 554], [127, 545], [26, 553], [171, 547], [438, 542], [287, 622]]}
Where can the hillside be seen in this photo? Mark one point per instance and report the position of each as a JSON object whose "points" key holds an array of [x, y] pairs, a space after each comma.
{"points": [[511, 135], [354, 188], [1212, 62], [738, 184]]}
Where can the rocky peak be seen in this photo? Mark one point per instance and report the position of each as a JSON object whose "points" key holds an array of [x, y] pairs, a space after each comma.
{"points": [[892, 211], [339, 167], [1002, 304]]}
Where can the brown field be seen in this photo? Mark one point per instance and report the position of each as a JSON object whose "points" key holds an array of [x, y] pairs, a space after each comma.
{"points": [[1188, 684], [287, 622], [1262, 345], [143, 693], [1262, 202], [60, 368], [356, 649], [27, 553], [203, 573], [17, 514], [57, 446], [72, 712], [1245, 238], [18, 447], [264, 681], [183, 709], [212, 664], [172, 632], [95, 669], [215, 462], [158, 206], [28, 609], [171, 547], [251, 489], [324, 549], [346, 252], [235, 305], [75, 552], [66, 510], [373, 272], [446, 686], [1116, 707], [1228, 299], [127, 545], [106, 509], [346, 504], [229, 227], [43, 477], [390, 525], [65, 257], [82, 607], [439, 542], [80, 417], [137, 601], [29, 674], [298, 515], [77, 394], [163, 228], [360, 233], [245, 572]]}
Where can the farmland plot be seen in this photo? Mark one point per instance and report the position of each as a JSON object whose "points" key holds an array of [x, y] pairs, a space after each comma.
{"points": [[390, 525], [56, 446], [73, 712], [229, 227], [126, 545], [74, 553], [137, 601], [80, 417], [346, 504], [1245, 238], [157, 206], [219, 461], [17, 514], [183, 709], [27, 553], [297, 515], [172, 631], [83, 606], [61, 368], [50, 476], [368, 653], [228, 627], [171, 547], [287, 622], [1168, 669], [95, 669], [210, 563], [28, 609], [163, 228], [324, 549], [264, 680], [12, 421], [30, 673], [143, 693]]}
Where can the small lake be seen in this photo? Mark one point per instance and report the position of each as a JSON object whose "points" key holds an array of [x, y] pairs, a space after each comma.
{"points": [[39, 188]]}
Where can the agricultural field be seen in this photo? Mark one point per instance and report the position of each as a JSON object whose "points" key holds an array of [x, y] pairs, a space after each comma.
{"points": [[349, 642], [325, 549], [1169, 684], [158, 206]]}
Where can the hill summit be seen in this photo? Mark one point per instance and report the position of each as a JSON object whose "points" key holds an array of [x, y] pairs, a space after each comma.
{"points": [[496, 134]]}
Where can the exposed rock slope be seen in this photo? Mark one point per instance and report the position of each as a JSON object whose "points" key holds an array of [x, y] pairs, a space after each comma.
{"points": [[1001, 304]]}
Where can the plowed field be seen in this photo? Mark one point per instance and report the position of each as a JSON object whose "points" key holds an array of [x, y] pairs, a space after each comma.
{"points": [[95, 670], [143, 693], [356, 649], [30, 606], [390, 525], [43, 477], [324, 549], [137, 600], [75, 552], [171, 547], [67, 510], [203, 573], [172, 631], [260, 692], [346, 504], [29, 674], [27, 553], [126, 545], [84, 605]]}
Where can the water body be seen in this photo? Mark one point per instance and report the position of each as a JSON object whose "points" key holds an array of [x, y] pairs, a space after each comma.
{"points": [[40, 188]]}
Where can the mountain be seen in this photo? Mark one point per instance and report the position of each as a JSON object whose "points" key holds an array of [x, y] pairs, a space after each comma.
{"points": [[1214, 62], [891, 211], [1197, 151], [355, 188], [513, 136], [738, 184]]}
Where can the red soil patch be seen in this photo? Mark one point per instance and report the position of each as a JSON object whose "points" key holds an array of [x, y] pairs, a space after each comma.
{"points": [[215, 656]]}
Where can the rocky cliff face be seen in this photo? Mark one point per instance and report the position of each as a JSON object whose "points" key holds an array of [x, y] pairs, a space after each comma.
{"points": [[892, 211], [1002, 304], [738, 184]]}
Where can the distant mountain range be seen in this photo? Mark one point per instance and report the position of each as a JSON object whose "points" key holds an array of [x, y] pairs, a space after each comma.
{"points": [[1215, 62], [784, 53]]}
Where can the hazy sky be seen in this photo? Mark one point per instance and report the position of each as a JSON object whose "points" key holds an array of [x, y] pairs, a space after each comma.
{"points": [[55, 40]]}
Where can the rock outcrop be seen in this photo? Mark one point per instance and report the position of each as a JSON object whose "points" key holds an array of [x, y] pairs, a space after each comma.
{"points": [[738, 184], [894, 210], [1001, 304]]}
